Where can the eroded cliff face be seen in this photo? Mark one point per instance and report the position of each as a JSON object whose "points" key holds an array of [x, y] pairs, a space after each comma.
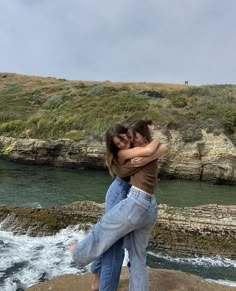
{"points": [[183, 231], [211, 159], [64, 153]]}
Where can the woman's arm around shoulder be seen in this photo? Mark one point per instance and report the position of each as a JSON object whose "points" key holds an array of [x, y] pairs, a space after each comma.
{"points": [[142, 161], [148, 150]]}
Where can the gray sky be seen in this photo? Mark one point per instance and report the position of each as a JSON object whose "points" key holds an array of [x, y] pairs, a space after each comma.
{"points": [[150, 40]]}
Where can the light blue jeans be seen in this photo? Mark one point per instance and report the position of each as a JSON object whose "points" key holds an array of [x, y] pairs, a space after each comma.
{"points": [[109, 265], [137, 214]]}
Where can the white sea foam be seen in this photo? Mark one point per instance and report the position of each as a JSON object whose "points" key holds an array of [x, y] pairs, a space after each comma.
{"points": [[32, 205], [31, 258], [223, 282], [216, 261], [35, 259]]}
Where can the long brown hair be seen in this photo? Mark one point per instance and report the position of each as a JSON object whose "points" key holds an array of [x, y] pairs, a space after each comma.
{"points": [[142, 126], [111, 148]]}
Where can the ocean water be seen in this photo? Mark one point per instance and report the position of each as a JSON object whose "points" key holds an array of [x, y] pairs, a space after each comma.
{"points": [[42, 186], [36, 259]]}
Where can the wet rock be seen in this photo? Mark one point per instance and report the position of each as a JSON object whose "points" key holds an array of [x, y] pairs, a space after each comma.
{"points": [[183, 231], [19, 286], [159, 280]]}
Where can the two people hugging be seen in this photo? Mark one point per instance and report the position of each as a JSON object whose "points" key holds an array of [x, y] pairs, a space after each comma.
{"points": [[130, 209]]}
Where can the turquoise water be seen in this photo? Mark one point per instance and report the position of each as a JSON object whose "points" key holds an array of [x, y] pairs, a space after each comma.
{"points": [[42, 186]]}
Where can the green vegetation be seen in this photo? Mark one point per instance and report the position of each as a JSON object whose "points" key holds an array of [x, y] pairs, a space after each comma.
{"points": [[50, 108], [179, 101], [7, 148]]}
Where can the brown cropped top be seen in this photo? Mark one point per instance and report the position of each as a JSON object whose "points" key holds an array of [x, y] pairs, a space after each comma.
{"points": [[144, 178]]}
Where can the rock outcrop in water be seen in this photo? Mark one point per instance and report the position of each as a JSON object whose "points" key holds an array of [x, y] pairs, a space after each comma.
{"points": [[159, 280], [183, 231], [213, 158]]}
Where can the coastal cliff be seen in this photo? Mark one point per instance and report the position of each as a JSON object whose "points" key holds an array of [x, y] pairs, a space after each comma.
{"points": [[182, 231], [211, 159], [62, 123]]}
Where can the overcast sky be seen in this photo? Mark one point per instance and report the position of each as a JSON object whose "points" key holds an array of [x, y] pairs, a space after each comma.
{"points": [[124, 40]]}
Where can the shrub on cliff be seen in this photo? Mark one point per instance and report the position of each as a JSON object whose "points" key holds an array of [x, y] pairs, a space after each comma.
{"points": [[179, 101], [191, 133], [53, 102], [10, 127], [228, 119]]}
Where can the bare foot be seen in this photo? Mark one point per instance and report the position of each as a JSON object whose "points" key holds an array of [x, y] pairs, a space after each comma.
{"points": [[72, 247], [95, 283]]}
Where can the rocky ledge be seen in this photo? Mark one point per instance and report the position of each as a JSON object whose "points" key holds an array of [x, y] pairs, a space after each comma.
{"points": [[159, 280], [182, 231], [213, 158]]}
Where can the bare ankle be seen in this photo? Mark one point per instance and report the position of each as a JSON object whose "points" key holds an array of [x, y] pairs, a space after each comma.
{"points": [[95, 283]]}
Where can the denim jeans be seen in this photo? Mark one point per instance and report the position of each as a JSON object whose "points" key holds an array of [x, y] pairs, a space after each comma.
{"points": [[137, 214], [109, 265]]}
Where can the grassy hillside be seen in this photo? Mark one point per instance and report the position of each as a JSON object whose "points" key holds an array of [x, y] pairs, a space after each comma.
{"points": [[52, 108]]}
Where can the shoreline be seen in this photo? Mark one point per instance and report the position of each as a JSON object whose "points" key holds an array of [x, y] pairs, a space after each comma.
{"points": [[212, 159], [42, 262], [183, 231]]}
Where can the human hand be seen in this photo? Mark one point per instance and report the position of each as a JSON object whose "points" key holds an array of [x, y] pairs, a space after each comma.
{"points": [[136, 161]]}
